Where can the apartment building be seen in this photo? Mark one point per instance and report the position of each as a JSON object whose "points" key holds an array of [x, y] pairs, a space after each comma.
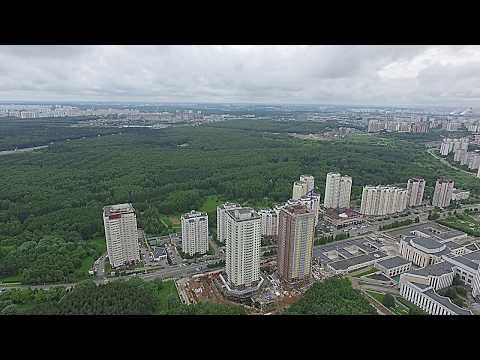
{"points": [[194, 233], [243, 228], [338, 189], [121, 234], [295, 242]]}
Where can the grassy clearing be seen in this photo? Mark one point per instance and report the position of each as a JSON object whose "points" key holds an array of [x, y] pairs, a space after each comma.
{"points": [[100, 244], [462, 222], [398, 309], [86, 266], [210, 204], [175, 220], [167, 292], [10, 279], [365, 271]]}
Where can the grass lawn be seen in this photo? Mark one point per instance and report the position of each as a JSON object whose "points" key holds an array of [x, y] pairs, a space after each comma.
{"points": [[365, 271], [10, 279], [210, 204], [463, 222], [399, 309], [376, 295], [86, 265], [175, 220], [407, 304], [100, 244], [168, 290]]}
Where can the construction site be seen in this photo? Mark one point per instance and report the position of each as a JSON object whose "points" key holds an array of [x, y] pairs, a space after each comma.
{"points": [[271, 298]]}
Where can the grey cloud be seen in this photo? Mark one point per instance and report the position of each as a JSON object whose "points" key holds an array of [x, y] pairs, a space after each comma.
{"points": [[311, 74]]}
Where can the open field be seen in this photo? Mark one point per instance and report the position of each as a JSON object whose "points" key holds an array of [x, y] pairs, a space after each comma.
{"points": [[365, 271], [210, 204], [398, 309], [462, 222]]}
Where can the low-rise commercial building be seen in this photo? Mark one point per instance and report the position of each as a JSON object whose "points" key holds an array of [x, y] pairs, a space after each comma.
{"points": [[422, 251], [439, 275], [459, 195], [342, 218], [465, 266], [420, 286], [476, 286], [348, 255], [393, 266], [429, 301], [159, 253]]}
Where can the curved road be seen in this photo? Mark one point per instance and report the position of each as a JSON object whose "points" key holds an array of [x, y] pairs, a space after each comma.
{"points": [[431, 150]]}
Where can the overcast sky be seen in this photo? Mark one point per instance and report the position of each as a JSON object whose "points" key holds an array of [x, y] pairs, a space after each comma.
{"points": [[369, 75]]}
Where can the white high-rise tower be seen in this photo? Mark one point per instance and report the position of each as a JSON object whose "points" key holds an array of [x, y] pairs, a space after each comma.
{"points": [[337, 191], [415, 189], [194, 233], [121, 234], [443, 193], [243, 229], [221, 219]]}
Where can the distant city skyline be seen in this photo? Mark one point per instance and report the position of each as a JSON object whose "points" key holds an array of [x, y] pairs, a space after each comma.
{"points": [[395, 76]]}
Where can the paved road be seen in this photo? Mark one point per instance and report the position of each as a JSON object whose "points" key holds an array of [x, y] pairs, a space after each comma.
{"points": [[431, 152]]}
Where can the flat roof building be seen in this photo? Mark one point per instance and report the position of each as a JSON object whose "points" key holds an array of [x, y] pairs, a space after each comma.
{"points": [[393, 266], [121, 234], [415, 190], [338, 189], [221, 219], [443, 193], [194, 233], [295, 242], [243, 238]]}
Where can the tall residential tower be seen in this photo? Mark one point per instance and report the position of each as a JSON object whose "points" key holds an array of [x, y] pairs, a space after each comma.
{"points": [[243, 228], [221, 219], [121, 234], [337, 191], [194, 233], [443, 193], [295, 242], [415, 189]]}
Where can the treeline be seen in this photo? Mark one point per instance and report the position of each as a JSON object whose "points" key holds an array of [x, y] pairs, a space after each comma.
{"points": [[291, 126], [23, 133], [48, 260], [334, 296], [132, 297], [462, 222], [397, 223], [331, 238]]}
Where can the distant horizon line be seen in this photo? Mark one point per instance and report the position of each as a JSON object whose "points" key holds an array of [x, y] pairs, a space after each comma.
{"points": [[125, 102]]}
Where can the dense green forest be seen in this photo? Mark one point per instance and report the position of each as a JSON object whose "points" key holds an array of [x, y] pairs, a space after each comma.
{"points": [[132, 297], [332, 297], [23, 133], [52, 200], [291, 126]]}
